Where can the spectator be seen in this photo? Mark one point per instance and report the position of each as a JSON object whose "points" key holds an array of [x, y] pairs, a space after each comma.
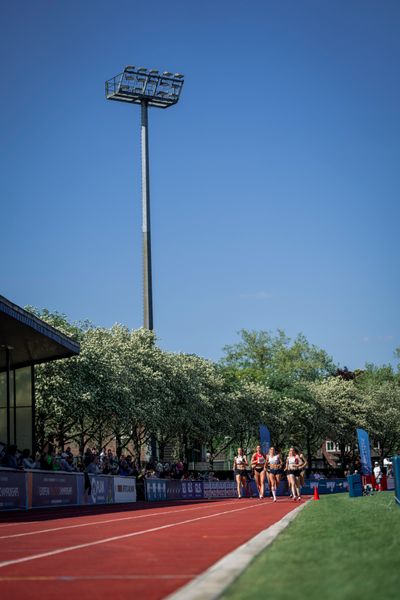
{"points": [[10, 459], [66, 463], [106, 467], [88, 457], [26, 460], [378, 476], [93, 466], [123, 467]]}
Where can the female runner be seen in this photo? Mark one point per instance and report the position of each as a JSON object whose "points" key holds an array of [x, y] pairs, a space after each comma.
{"points": [[293, 470], [239, 467], [303, 468], [258, 464], [274, 469]]}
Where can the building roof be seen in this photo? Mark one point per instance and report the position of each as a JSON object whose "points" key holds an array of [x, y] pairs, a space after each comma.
{"points": [[31, 340]]}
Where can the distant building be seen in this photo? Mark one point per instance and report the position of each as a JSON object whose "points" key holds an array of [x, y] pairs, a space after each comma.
{"points": [[25, 341]]}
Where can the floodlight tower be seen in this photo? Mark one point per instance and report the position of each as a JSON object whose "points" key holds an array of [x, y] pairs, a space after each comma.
{"points": [[147, 88]]}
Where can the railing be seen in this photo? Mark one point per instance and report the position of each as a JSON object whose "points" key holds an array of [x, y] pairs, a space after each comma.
{"points": [[35, 489]]}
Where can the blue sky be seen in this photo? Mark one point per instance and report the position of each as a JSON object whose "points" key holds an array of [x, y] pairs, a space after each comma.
{"points": [[274, 181]]}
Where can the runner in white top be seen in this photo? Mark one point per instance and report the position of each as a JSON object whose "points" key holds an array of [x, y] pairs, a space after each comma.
{"points": [[274, 469], [294, 465], [239, 467]]}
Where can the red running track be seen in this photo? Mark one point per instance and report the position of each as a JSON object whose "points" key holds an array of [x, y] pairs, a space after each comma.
{"points": [[122, 552]]}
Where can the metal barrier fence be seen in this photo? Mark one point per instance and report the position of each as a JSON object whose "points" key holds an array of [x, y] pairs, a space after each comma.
{"points": [[36, 489], [166, 489]]}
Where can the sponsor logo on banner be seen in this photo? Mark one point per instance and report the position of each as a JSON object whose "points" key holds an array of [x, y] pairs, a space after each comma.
{"points": [[174, 489], [156, 489], [53, 489], [192, 489], [102, 489], [12, 490], [219, 489], [124, 489]]}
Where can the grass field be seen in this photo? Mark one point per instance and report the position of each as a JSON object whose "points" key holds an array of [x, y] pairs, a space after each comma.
{"points": [[338, 548]]}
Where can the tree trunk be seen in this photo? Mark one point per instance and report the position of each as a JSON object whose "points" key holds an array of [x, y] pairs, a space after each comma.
{"points": [[309, 455], [118, 442], [161, 449]]}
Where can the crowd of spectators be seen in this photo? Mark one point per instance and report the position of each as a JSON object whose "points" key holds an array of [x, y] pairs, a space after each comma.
{"points": [[108, 462], [104, 462]]}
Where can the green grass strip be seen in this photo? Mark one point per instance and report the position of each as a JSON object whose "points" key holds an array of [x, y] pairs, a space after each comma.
{"points": [[338, 548]]}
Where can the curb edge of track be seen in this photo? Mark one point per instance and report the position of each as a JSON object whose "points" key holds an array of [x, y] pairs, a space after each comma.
{"points": [[214, 581]]}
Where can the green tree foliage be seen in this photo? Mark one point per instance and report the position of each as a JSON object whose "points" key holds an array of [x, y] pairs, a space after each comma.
{"points": [[284, 367], [124, 388]]}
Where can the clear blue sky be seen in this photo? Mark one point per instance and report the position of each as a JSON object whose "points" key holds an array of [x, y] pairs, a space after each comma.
{"points": [[274, 181]]}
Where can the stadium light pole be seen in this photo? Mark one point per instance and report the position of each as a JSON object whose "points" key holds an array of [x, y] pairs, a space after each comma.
{"points": [[147, 88]]}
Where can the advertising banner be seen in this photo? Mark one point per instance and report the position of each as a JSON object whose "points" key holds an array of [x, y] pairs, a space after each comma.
{"points": [[325, 486], [265, 438], [219, 489], [156, 489], [174, 489], [101, 490], [124, 489], [52, 489], [365, 452], [12, 490], [192, 489], [396, 472]]}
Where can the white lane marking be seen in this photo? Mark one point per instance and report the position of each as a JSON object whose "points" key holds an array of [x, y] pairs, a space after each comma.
{"points": [[23, 578], [147, 515], [17, 561], [80, 513], [214, 581]]}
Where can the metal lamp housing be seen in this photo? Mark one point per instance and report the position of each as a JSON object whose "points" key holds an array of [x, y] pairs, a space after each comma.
{"points": [[139, 85]]}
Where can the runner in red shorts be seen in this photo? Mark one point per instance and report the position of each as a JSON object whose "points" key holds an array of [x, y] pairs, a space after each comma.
{"points": [[258, 464]]}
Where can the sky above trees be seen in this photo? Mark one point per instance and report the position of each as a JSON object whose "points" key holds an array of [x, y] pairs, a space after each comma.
{"points": [[274, 181]]}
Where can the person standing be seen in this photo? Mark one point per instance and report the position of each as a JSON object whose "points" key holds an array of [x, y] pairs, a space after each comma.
{"points": [[239, 468], [258, 464], [378, 476], [274, 469]]}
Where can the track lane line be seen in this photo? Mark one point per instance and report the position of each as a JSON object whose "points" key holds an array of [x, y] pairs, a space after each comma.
{"points": [[146, 515], [23, 578], [24, 559]]}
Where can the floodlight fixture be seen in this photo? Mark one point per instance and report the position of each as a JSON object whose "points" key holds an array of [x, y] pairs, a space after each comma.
{"points": [[147, 88], [139, 86]]}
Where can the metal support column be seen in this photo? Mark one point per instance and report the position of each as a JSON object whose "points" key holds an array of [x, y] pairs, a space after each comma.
{"points": [[33, 413], [15, 407], [8, 405], [146, 236]]}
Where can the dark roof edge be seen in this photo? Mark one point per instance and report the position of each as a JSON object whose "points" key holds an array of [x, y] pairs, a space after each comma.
{"points": [[30, 320]]}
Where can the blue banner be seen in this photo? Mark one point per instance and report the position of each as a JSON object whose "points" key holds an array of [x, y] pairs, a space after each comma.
{"points": [[396, 472], [265, 438], [365, 452], [156, 489]]}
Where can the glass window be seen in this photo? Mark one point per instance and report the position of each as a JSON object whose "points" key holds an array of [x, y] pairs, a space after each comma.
{"points": [[3, 425], [23, 386], [3, 390], [24, 428]]}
